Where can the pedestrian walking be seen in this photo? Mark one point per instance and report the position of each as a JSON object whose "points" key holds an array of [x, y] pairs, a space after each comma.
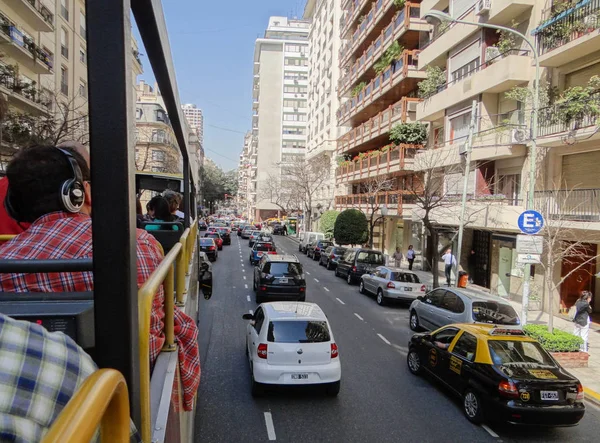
{"points": [[410, 257], [398, 257], [449, 261], [582, 318], [471, 260]]}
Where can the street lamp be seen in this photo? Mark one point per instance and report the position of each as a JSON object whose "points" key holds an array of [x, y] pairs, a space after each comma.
{"points": [[442, 16]]}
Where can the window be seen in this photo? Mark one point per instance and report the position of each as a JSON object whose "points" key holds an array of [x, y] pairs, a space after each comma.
{"points": [[453, 303], [298, 331], [159, 136], [493, 312], [158, 155], [82, 26], [445, 336], [138, 113], [405, 278], [64, 42], [82, 88], [505, 352], [459, 126], [282, 269], [259, 319], [296, 62], [83, 56], [466, 346], [510, 187], [434, 298], [294, 117], [64, 80], [64, 9], [372, 258], [294, 144], [161, 116]]}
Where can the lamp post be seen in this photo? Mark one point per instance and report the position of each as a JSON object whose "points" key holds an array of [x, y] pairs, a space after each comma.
{"points": [[442, 16], [384, 212]]}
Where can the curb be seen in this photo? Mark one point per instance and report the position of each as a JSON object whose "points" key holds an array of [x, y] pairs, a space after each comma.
{"points": [[592, 396]]}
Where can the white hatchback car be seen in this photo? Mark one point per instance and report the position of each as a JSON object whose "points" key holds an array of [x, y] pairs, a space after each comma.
{"points": [[291, 343]]}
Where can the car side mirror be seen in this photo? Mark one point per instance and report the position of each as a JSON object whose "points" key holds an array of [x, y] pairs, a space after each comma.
{"points": [[248, 316], [427, 337], [421, 298]]}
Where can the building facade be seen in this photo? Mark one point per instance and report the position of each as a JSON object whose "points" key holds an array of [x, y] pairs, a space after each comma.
{"points": [[246, 198], [195, 120], [279, 116], [323, 77]]}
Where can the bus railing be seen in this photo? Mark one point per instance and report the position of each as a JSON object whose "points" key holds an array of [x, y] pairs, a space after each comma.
{"points": [[101, 400]]}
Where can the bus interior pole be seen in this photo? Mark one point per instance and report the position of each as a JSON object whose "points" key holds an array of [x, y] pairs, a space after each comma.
{"points": [[186, 192]]}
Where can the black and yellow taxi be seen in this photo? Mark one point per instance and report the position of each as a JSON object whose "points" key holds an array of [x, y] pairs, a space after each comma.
{"points": [[500, 374]]}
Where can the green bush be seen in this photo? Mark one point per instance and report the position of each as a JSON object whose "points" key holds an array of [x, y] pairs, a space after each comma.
{"points": [[559, 341], [351, 227], [327, 222], [409, 133]]}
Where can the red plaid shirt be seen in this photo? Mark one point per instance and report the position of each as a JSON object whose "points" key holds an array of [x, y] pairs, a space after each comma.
{"points": [[60, 235]]}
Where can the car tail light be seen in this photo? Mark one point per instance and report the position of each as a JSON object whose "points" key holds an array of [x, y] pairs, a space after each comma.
{"points": [[334, 350], [508, 389], [423, 288], [353, 268], [332, 256], [263, 288], [211, 248], [302, 289], [262, 350], [272, 252], [391, 285], [580, 393]]}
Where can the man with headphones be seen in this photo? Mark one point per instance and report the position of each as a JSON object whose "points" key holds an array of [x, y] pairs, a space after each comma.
{"points": [[50, 188]]}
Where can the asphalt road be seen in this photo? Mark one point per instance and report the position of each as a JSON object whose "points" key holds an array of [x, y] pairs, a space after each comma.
{"points": [[379, 399]]}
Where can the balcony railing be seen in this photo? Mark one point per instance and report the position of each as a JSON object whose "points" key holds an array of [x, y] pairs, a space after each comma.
{"points": [[374, 165], [43, 11], [388, 198], [351, 14], [551, 120], [568, 25], [390, 77], [18, 38], [380, 124], [30, 92], [462, 73], [569, 205], [391, 33]]}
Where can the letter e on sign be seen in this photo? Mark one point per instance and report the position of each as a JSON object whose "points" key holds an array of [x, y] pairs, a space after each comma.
{"points": [[531, 222]]}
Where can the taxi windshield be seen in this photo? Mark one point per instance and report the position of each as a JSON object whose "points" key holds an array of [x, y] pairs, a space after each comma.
{"points": [[523, 353]]}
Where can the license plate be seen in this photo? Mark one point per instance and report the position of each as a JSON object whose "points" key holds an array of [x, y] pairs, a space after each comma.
{"points": [[549, 395], [283, 280], [408, 289], [299, 376]]}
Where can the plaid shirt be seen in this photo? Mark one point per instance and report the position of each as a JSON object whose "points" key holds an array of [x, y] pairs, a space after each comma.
{"points": [[39, 373], [60, 235]]}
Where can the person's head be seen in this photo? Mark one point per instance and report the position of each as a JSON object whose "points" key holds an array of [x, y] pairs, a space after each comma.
{"points": [[397, 248], [37, 177], [173, 199], [72, 145], [410, 246], [472, 251], [161, 209], [586, 296], [449, 251]]}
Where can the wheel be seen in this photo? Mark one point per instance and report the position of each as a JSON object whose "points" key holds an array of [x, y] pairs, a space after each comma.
{"points": [[414, 362], [320, 262], [303, 298], [380, 298], [472, 406], [329, 268], [251, 263], [414, 321], [361, 287], [314, 257], [257, 389], [333, 389], [254, 285], [247, 353], [258, 299], [299, 248], [349, 278]]}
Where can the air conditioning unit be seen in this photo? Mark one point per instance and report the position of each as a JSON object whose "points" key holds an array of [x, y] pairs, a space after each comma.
{"points": [[519, 136], [412, 106], [491, 53], [483, 7]]}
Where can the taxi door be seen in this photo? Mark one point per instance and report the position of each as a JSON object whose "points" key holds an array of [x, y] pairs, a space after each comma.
{"points": [[461, 361], [437, 355]]}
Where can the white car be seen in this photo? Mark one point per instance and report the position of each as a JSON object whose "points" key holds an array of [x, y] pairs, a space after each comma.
{"points": [[291, 343]]}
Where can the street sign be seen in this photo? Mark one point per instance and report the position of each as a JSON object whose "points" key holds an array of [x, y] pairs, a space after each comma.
{"points": [[532, 259], [530, 244], [531, 222]]}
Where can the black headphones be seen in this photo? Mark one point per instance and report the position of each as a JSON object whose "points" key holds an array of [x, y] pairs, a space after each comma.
{"points": [[72, 193]]}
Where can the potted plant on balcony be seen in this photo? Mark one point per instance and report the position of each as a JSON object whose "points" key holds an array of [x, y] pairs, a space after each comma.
{"points": [[436, 78], [577, 102], [393, 53], [563, 346], [399, 3], [409, 133], [358, 88]]}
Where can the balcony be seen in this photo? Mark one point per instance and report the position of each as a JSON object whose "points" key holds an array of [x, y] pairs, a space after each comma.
{"points": [[405, 20], [371, 131], [391, 159], [569, 35], [351, 13], [23, 96], [34, 13], [492, 77], [503, 11], [22, 49], [397, 81], [577, 205], [392, 199]]}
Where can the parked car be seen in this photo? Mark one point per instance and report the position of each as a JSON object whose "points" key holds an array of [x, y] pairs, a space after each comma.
{"points": [[259, 249], [241, 229], [247, 231], [209, 246], [306, 238], [329, 258], [279, 229], [292, 344], [265, 237], [499, 374], [225, 235], [205, 274], [253, 237], [389, 283], [444, 306], [217, 238], [314, 251], [279, 277], [358, 261]]}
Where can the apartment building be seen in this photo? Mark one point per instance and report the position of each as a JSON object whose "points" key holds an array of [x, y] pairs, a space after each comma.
{"points": [[488, 67], [246, 171], [323, 76], [279, 116], [195, 119], [377, 91]]}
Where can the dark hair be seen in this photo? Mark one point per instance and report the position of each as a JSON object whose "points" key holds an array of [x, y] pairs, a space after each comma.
{"points": [[585, 295], [173, 199], [35, 177], [161, 209]]}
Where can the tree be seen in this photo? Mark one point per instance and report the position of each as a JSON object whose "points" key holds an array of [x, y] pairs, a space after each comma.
{"points": [[327, 222], [372, 189], [216, 183], [350, 227]]}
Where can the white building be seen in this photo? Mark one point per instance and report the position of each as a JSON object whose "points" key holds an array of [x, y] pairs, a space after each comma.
{"points": [[195, 119], [280, 108]]}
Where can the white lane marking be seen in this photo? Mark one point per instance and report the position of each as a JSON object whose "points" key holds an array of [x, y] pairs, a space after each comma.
{"points": [[384, 339], [359, 317], [251, 311], [243, 270], [316, 280], [340, 301], [270, 427], [326, 289], [307, 273], [244, 277], [248, 297], [246, 286], [489, 431]]}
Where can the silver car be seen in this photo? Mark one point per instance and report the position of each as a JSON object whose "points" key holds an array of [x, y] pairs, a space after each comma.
{"points": [[444, 306], [391, 283]]}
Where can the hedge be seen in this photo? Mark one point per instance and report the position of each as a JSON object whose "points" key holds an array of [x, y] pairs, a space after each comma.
{"points": [[351, 227], [559, 341]]}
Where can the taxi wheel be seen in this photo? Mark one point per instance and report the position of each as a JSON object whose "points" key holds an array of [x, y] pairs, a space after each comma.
{"points": [[414, 362], [472, 406], [414, 322]]}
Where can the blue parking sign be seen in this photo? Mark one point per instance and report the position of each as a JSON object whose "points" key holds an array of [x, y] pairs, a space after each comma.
{"points": [[531, 222]]}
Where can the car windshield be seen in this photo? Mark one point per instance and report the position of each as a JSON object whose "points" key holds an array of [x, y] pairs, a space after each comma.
{"points": [[325, 244], [509, 352], [264, 247], [298, 331], [494, 313], [279, 269], [206, 242], [372, 258], [404, 277], [339, 251]]}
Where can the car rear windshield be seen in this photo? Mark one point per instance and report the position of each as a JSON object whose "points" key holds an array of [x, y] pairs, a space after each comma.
{"points": [[339, 251], [206, 242], [212, 235], [405, 278], [280, 269], [298, 331], [264, 247], [495, 313], [372, 258], [505, 352]]}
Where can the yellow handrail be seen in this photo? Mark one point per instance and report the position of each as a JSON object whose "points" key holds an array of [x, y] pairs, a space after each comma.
{"points": [[6, 237], [164, 272], [102, 399]]}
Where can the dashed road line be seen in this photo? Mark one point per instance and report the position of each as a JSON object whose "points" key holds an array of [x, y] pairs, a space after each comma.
{"points": [[316, 280], [244, 277], [359, 317], [248, 297], [340, 301], [326, 289], [246, 286], [384, 339], [243, 270], [307, 273], [270, 426], [489, 431]]}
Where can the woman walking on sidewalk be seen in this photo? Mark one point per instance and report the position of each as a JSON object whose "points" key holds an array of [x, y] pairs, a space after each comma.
{"points": [[582, 318], [410, 256]]}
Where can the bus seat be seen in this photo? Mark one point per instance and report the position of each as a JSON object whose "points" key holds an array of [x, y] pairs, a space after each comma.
{"points": [[166, 236]]}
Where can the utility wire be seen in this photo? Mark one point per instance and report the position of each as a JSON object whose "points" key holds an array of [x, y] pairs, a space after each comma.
{"points": [[226, 129]]}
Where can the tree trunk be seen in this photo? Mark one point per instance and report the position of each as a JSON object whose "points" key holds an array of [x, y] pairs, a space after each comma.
{"points": [[435, 254], [550, 284], [308, 219]]}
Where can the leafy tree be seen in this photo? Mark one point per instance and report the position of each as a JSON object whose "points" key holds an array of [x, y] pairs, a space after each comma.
{"points": [[216, 183], [327, 222], [409, 133], [351, 227]]}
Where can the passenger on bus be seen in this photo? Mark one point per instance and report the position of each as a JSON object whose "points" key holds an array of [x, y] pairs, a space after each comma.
{"points": [[174, 199], [50, 188], [41, 371], [161, 213]]}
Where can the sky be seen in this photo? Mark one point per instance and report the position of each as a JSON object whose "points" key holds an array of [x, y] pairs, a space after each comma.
{"points": [[212, 43]]}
